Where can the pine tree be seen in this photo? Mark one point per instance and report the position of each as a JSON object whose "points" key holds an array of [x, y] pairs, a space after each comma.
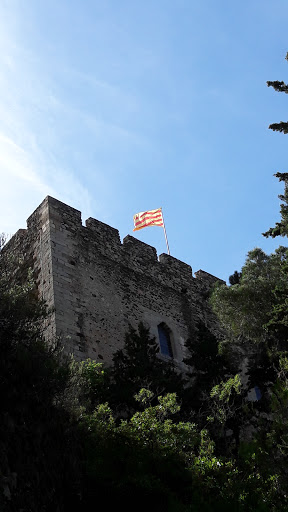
{"points": [[279, 87], [138, 365], [281, 228]]}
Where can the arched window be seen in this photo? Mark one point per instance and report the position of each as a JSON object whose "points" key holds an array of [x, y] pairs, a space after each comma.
{"points": [[165, 340]]}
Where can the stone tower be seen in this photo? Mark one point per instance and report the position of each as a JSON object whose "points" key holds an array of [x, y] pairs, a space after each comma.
{"points": [[97, 285]]}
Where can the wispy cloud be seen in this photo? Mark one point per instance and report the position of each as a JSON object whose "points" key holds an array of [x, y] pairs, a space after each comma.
{"points": [[51, 140], [29, 165]]}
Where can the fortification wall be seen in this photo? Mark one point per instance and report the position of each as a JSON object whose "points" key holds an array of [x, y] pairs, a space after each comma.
{"points": [[98, 285]]}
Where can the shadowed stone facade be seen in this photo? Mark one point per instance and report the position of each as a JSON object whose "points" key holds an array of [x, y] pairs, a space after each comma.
{"points": [[97, 285]]}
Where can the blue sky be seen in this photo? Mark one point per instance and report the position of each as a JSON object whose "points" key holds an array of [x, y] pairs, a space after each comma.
{"points": [[116, 107]]}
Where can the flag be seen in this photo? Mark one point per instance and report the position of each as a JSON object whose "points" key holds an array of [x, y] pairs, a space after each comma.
{"points": [[150, 218]]}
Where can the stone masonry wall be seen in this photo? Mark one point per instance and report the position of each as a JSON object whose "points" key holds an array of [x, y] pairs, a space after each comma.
{"points": [[98, 285]]}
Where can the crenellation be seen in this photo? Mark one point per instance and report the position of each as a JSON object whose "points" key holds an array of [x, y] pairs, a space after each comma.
{"points": [[98, 286], [136, 252], [105, 235], [177, 273], [35, 221], [62, 214], [206, 281], [17, 243], [176, 265]]}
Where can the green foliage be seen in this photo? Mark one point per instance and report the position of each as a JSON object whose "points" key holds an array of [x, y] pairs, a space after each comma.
{"points": [[150, 460], [173, 465], [235, 278], [279, 87], [95, 383], [154, 429], [281, 228], [38, 399], [138, 365], [142, 457], [207, 366], [247, 309], [223, 395], [254, 314], [224, 390], [281, 127]]}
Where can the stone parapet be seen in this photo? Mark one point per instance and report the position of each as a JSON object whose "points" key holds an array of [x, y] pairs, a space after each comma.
{"points": [[98, 286]]}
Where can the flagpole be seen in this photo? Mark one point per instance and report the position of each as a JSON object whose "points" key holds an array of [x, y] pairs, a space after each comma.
{"points": [[165, 234]]}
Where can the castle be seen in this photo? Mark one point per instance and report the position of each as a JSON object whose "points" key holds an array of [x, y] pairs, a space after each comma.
{"points": [[98, 286]]}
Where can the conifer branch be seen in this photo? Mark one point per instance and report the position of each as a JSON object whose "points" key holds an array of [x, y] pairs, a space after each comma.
{"points": [[278, 86], [279, 127]]}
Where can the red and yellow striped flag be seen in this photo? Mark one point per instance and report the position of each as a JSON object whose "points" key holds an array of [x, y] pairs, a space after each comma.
{"points": [[151, 218]]}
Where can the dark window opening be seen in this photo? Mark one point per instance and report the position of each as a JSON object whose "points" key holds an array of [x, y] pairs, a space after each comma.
{"points": [[258, 393], [165, 340]]}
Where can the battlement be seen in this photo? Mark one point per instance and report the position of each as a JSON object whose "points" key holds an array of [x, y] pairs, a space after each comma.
{"points": [[106, 234], [97, 285], [209, 279], [175, 266], [56, 216], [54, 210], [139, 250]]}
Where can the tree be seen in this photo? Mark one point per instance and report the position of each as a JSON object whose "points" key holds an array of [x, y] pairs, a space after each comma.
{"points": [[40, 450], [206, 362], [254, 315], [3, 240], [226, 412], [246, 309], [138, 365], [279, 87], [58, 453], [142, 461], [279, 316], [281, 228], [235, 278]]}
